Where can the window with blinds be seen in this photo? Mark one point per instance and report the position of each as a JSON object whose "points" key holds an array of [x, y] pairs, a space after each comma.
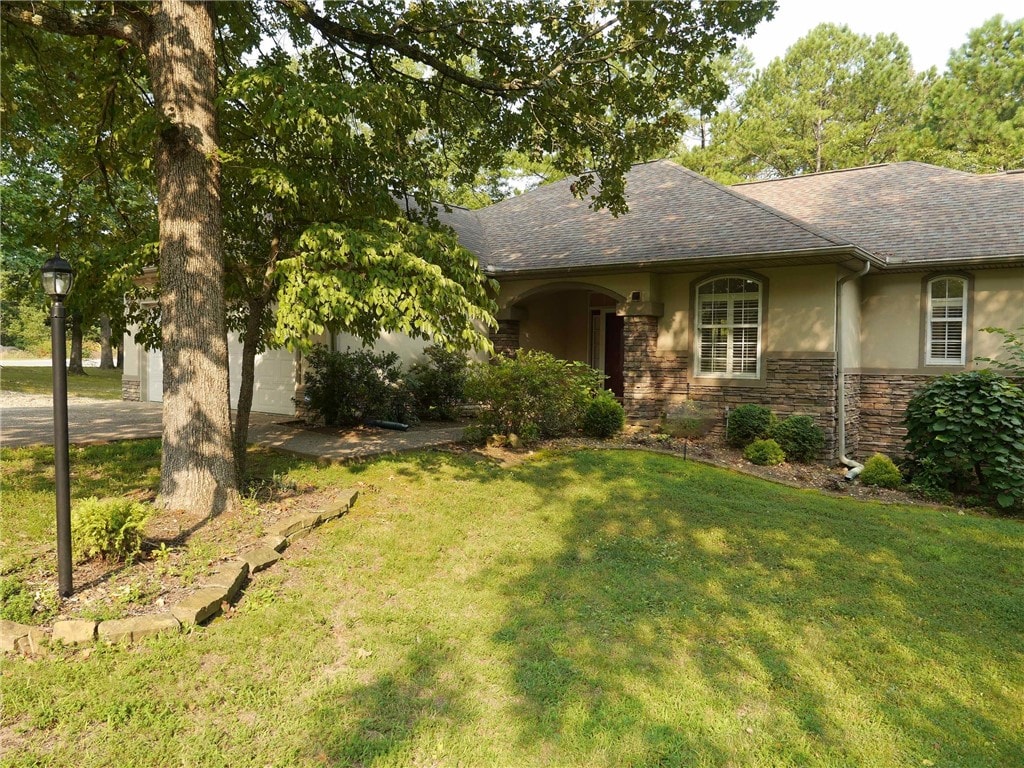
{"points": [[729, 327], [947, 321]]}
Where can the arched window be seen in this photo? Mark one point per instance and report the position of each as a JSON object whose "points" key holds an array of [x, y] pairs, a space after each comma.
{"points": [[947, 321], [728, 336]]}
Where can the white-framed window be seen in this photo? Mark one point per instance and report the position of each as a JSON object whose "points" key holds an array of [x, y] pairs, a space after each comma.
{"points": [[728, 336], [946, 342]]}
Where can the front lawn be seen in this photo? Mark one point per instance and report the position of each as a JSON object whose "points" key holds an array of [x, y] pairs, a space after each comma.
{"points": [[39, 380], [589, 608]]}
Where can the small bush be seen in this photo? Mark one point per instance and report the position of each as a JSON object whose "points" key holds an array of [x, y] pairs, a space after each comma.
{"points": [[800, 438], [438, 386], [747, 423], [691, 419], [969, 426], [764, 453], [109, 528], [16, 603], [347, 388], [604, 416], [533, 394], [880, 471]]}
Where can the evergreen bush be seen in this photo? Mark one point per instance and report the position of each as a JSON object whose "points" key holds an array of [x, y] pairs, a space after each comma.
{"points": [[880, 471], [800, 438], [764, 453], [438, 385], [747, 423], [347, 388], [604, 416], [108, 528]]}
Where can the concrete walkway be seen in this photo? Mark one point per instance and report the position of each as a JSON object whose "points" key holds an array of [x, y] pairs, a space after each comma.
{"points": [[28, 420]]}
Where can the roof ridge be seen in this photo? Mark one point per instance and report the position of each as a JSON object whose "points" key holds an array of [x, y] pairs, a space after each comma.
{"points": [[823, 234]]}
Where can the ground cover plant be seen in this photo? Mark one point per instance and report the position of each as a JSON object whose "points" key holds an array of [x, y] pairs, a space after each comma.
{"points": [[103, 384], [576, 608]]}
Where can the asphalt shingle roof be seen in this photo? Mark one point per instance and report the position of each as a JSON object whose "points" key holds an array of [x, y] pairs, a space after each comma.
{"points": [[907, 213], [674, 215]]}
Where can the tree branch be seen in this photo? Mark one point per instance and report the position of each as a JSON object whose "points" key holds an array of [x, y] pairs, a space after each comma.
{"points": [[131, 27], [339, 33]]}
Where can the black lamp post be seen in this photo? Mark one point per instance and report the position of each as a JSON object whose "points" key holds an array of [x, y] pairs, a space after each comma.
{"points": [[58, 277]]}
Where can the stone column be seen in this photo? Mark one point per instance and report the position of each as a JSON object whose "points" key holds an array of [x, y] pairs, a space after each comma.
{"points": [[506, 337], [640, 365]]}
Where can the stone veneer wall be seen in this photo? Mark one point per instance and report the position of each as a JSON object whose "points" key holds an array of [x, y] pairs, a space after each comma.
{"points": [[655, 378], [883, 402], [131, 388], [506, 337], [852, 414]]}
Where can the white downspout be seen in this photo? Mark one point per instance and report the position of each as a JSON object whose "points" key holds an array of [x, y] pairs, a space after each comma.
{"points": [[855, 468]]}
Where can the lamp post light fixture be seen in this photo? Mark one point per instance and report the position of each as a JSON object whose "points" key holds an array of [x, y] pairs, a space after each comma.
{"points": [[58, 277]]}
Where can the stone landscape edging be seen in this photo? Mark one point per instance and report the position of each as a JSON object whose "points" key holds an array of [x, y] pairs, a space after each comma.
{"points": [[203, 603]]}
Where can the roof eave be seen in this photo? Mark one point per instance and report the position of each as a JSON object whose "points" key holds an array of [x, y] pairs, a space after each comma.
{"points": [[830, 255]]}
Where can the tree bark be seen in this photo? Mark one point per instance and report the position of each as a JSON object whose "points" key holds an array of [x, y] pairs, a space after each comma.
{"points": [[106, 349], [198, 469], [75, 366], [243, 410]]}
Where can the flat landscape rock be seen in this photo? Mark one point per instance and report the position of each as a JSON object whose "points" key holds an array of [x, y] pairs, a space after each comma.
{"points": [[293, 525], [200, 605], [74, 631], [260, 558], [230, 577], [11, 632], [137, 627]]}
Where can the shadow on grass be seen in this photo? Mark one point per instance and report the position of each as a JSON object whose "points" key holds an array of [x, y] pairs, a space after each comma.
{"points": [[781, 620], [380, 719]]}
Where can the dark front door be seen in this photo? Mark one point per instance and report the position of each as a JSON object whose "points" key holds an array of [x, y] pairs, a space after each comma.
{"points": [[613, 345]]}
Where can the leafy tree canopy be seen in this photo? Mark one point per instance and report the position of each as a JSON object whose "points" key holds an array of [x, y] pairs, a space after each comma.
{"points": [[974, 119]]}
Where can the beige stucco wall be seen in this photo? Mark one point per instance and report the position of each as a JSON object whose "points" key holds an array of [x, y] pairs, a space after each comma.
{"points": [[131, 352], [999, 302], [621, 284], [892, 331], [557, 323], [850, 322], [800, 304]]}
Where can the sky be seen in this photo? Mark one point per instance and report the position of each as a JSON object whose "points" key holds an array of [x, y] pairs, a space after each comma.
{"points": [[929, 29]]}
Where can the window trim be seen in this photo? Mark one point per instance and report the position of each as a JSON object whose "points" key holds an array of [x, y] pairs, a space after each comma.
{"points": [[762, 292], [927, 309]]}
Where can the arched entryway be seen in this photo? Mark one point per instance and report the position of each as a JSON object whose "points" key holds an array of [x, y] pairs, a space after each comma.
{"points": [[572, 321]]}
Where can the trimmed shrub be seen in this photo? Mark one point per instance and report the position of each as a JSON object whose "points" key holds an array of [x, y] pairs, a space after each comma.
{"points": [[108, 528], [747, 423], [966, 427], [532, 394], [438, 386], [800, 438], [880, 471], [764, 453], [347, 388], [604, 416], [691, 419]]}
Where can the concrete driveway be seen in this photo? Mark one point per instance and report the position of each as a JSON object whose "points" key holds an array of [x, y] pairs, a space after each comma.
{"points": [[28, 420]]}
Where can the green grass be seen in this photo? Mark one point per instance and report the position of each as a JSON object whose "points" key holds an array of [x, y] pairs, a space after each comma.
{"points": [[579, 609], [39, 380]]}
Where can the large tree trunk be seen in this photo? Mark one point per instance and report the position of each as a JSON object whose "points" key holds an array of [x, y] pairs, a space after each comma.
{"points": [[250, 343], [198, 465], [106, 348], [75, 362]]}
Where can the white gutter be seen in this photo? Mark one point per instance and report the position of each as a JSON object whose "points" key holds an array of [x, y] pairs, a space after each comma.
{"points": [[855, 467]]}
